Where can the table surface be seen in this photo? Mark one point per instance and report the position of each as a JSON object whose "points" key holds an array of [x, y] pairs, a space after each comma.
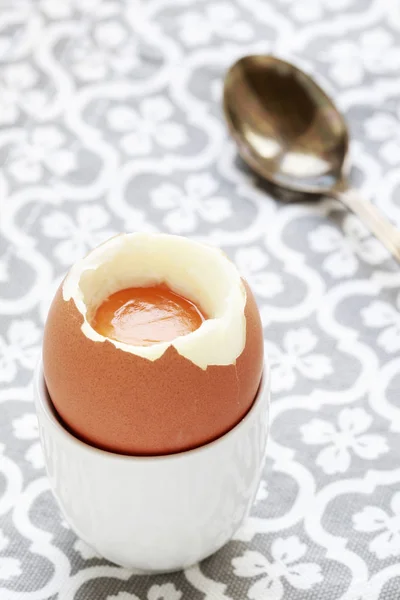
{"points": [[110, 120]]}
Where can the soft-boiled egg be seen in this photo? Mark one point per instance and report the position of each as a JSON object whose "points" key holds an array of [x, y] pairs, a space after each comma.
{"points": [[153, 345]]}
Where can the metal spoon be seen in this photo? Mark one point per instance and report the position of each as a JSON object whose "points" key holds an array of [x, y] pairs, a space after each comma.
{"points": [[290, 132]]}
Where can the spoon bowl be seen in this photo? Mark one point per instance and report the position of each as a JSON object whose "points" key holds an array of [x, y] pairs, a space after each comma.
{"points": [[285, 126], [290, 132]]}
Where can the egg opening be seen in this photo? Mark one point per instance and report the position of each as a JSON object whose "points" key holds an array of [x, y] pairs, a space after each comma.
{"points": [[201, 274]]}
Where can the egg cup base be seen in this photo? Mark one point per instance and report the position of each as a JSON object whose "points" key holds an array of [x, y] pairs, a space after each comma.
{"points": [[155, 514]]}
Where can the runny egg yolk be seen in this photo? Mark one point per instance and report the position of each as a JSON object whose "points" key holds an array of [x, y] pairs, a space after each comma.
{"points": [[142, 316]]}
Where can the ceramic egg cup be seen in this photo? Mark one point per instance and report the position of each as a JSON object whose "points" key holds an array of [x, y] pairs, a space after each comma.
{"points": [[159, 513]]}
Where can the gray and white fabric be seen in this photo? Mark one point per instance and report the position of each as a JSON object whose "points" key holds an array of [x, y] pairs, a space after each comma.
{"points": [[110, 120]]}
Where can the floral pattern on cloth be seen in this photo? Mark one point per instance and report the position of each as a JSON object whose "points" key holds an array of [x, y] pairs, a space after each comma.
{"points": [[110, 121]]}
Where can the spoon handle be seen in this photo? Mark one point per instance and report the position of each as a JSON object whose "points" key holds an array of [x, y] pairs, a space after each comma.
{"points": [[377, 223]]}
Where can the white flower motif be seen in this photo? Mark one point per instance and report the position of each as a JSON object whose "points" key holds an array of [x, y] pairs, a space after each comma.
{"points": [[9, 568], [344, 250], [220, 19], [166, 591], [348, 437], [85, 550], [15, 82], [123, 596], [195, 200], [19, 346], [5, 44], [296, 357], [151, 122], [251, 262], [373, 519], [384, 127], [19, 76], [382, 315], [4, 541], [374, 52], [315, 9], [38, 151], [4, 269], [138, 220], [57, 10], [262, 492], [216, 90], [108, 48], [77, 236], [34, 455], [26, 427], [67, 8], [286, 554]]}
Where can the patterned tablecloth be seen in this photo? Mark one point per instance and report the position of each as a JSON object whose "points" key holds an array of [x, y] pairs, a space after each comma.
{"points": [[110, 120]]}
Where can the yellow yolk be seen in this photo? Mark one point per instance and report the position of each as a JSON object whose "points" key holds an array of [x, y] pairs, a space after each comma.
{"points": [[143, 316]]}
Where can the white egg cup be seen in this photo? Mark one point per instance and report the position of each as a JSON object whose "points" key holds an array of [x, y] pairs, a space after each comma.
{"points": [[161, 513]]}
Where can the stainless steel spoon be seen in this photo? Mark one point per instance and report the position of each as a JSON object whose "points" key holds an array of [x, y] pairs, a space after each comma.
{"points": [[290, 132]]}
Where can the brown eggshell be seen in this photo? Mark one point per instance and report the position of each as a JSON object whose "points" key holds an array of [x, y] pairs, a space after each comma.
{"points": [[127, 404]]}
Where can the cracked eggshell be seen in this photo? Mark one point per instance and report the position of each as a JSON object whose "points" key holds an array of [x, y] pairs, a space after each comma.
{"points": [[163, 398]]}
